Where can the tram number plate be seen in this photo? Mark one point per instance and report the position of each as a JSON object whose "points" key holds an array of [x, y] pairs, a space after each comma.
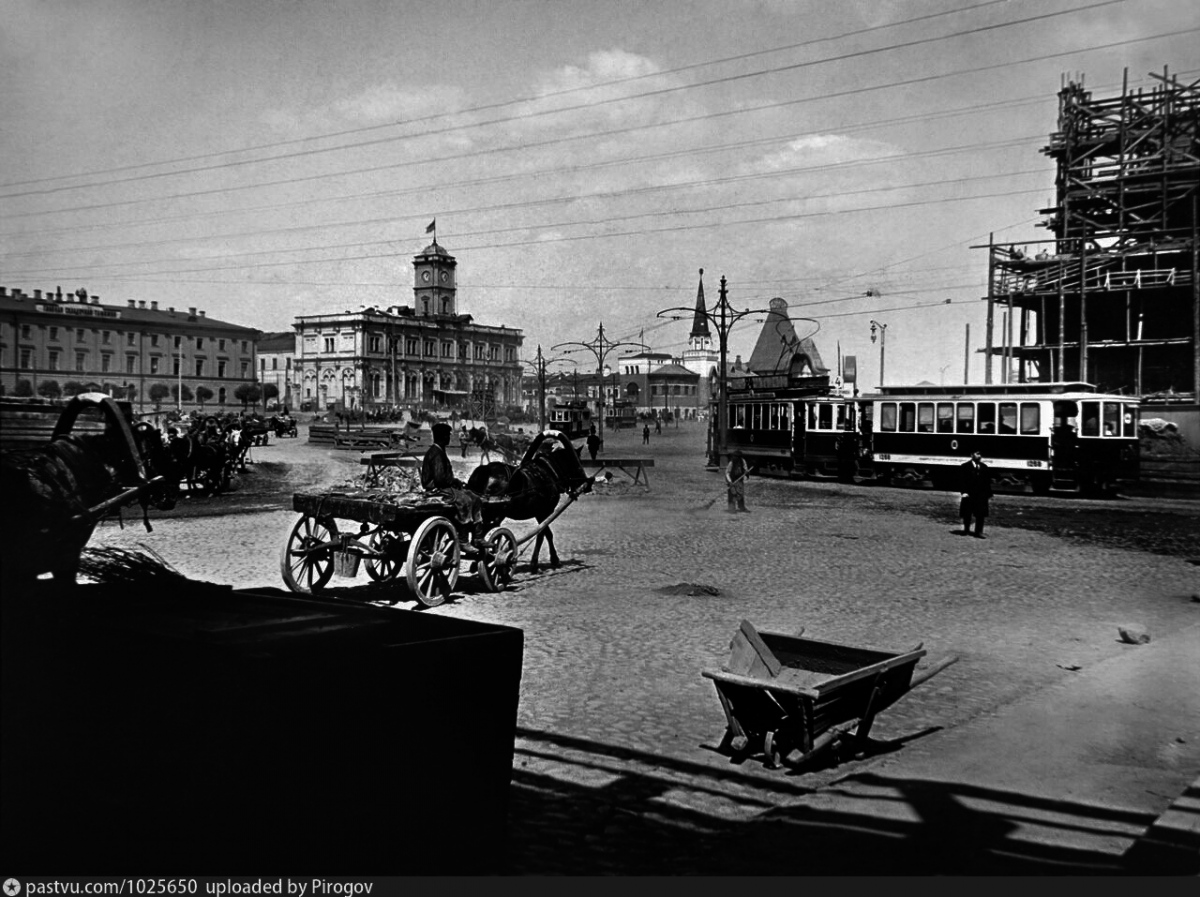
{"points": [[1033, 463]]}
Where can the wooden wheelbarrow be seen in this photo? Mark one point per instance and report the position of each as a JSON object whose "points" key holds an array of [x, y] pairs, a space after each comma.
{"points": [[790, 698]]}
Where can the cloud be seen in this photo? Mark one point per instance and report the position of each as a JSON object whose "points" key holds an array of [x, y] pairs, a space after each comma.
{"points": [[376, 104], [820, 149]]}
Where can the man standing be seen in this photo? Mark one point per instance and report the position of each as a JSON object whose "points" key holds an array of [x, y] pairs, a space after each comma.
{"points": [[646, 435], [976, 489], [593, 443], [736, 472]]}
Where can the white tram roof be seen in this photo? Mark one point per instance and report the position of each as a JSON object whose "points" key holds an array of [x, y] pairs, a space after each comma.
{"points": [[984, 390]]}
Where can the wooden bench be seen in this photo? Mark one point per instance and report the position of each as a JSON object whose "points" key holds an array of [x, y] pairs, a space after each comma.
{"points": [[638, 467]]}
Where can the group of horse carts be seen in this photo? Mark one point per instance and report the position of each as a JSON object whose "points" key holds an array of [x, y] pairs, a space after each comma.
{"points": [[422, 537], [212, 450]]}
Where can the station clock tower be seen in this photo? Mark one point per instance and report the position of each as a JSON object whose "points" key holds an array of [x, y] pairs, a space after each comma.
{"points": [[434, 287]]}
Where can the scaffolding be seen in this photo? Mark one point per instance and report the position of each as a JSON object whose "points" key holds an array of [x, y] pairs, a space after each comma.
{"points": [[1113, 298]]}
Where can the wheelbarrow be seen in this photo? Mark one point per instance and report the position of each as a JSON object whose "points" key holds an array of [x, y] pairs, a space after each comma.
{"points": [[791, 698]]}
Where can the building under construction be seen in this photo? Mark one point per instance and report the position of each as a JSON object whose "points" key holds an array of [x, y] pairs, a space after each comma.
{"points": [[1113, 298]]}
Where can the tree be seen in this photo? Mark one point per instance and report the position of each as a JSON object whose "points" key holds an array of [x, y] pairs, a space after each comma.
{"points": [[247, 394], [49, 389], [186, 392], [158, 392], [23, 389], [72, 388], [203, 394], [270, 391]]}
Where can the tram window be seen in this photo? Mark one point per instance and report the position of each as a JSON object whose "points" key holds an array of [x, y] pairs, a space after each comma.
{"points": [[739, 418], [986, 417], [1091, 418], [908, 417], [1008, 418], [1112, 419], [826, 417], [1031, 418], [945, 417], [841, 416], [812, 417], [966, 418], [887, 417], [1130, 421], [925, 417]]}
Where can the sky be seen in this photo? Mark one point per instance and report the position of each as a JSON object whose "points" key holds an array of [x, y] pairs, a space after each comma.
{"points": [[583, 159]]}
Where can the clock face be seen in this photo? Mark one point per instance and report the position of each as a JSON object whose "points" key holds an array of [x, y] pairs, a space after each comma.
{"points": [[445, 277], [425, 276]]}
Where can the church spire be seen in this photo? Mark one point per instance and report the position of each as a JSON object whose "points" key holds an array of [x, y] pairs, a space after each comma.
{"points": [[700, 321]]}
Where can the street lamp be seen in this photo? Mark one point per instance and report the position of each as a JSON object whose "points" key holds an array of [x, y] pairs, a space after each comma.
{"points": [[882, 344], [600, 347]]}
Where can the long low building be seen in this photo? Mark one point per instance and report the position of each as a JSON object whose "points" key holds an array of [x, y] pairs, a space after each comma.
{"points": [[54, 344]]}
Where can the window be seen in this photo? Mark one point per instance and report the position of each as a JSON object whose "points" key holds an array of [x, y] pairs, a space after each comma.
{"points": [[425, 305], [154, 340], [245, 369], [54, 333], [985, 417], [106, 337], [243, 345], [53, 360], [154, 361], [479, 351], [1131, 417], [825, 417], [925, 417], [945, 417], [1008, 418], [445, 306], [106, 363], [131, 339], [1031, 418], [908, 417], [1112, 419], [1091, 418], [24, 331], [329, 343], [80, 362], [966, 418], [79, 335], [27, 359], [199, 343], [887, 417], [274, 364], [376, 343], [221, 365], [131, 364], [430, 347], [447, 349], [175, 366], [199, 367], [220, 345], [410, 346]]}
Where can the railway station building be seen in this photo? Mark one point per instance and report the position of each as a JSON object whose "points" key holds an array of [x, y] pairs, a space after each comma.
{"points": [[424, 355], [1112, 295], [54, 345]]}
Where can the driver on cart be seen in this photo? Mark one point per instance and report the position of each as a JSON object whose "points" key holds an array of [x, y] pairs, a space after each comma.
{"points": [[437, 477]]}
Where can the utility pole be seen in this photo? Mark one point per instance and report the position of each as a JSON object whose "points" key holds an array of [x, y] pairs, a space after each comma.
{"points": [[599, 347]]}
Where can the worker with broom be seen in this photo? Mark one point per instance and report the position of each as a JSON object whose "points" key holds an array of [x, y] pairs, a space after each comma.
{"points": [[736, 472]]}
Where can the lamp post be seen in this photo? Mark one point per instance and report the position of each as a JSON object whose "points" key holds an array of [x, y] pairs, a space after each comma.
{"points": [[882, 345], [600, 347], [179, 374], [723, 316]]}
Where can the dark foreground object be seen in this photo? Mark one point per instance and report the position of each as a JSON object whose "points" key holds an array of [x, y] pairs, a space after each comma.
{"points": [[199, 730]]}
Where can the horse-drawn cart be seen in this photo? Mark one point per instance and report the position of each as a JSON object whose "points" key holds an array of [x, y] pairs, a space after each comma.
{"points": [[791, 698], [419, 534]]}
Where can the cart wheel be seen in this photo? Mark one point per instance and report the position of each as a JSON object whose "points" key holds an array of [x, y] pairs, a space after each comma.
{"points": [[772, 749], [387, 567], [305, 572], [499, 559], [432, 564]]}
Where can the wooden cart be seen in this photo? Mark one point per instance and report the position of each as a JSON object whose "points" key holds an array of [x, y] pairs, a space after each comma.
{"points": [[789, 698], [413, 534]]}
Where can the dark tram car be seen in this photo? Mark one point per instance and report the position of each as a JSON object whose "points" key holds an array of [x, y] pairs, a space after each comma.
{"points": [[573, 418], [831, 438], [1035, 436]]}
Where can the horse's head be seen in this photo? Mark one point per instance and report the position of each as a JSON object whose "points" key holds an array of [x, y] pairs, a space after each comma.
{"points": [[491, 479]]}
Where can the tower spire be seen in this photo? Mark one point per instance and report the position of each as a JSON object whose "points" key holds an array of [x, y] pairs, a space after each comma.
{"points": [[700, 321]]}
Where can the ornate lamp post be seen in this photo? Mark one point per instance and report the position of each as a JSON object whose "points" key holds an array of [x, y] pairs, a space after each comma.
{"points": [[599, 347], [882, 345]]}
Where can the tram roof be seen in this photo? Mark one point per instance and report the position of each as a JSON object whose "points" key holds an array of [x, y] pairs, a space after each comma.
{"points": [[992, 389]]}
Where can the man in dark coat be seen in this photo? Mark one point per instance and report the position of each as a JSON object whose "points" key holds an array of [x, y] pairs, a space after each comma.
{"points": [[437, 476], [976, 489], [593, 443]]}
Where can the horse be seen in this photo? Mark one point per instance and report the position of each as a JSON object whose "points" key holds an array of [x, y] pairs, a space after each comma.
{"points": [[203, 456], [57, 493], [549, 468]]}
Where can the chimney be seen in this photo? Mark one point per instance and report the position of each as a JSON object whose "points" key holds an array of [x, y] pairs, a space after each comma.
{"points": [[142, 304], [37, 294], [132, 303], [95, 300], [202, 313], [171, 309], [3, 292], [192, 312], [153, 305]]}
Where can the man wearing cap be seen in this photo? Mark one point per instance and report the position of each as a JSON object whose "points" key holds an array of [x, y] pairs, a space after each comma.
{"points": [[976, 490], [437, 476], [736, 473]]}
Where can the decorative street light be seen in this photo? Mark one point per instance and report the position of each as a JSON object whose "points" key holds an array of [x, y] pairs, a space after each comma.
{"points": [[599, 347], [723, 316], [882, 344]]}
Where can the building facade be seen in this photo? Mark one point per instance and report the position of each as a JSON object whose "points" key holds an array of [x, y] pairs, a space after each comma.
{"points": [[54, 345], [426, 355], [276, 353]]}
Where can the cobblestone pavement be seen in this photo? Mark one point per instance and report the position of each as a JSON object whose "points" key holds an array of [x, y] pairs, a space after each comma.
{"points": [[614, 770]]}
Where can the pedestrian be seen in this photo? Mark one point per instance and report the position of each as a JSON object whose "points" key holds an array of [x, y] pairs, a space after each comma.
{"points": [[463, 439], [736, 473], [646, 435], [657, 426], [976, 489], [593, 443]]}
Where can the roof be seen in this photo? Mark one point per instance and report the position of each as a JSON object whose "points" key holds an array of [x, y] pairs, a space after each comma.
{"points": [[700, 320], [673, 370], [75, 312], [277, 341], [778, 349], [435, 248]]}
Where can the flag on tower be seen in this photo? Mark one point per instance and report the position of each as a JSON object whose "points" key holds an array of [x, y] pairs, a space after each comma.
{"points": [[432, 226]]}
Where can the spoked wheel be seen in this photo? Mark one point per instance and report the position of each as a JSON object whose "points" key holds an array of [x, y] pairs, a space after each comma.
{"points": [[432, 564], [306, 571], [500, 557], [388, 567]]}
